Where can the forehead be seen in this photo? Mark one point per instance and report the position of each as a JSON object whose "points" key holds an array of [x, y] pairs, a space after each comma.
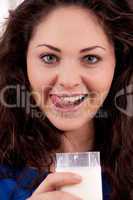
{"points": [[71, 25]]}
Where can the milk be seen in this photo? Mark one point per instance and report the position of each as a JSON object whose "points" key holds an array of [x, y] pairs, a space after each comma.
{"points": [[90, 188]]}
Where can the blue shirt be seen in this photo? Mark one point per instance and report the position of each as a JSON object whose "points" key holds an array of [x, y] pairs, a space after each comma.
{"points": [[13, 189]]}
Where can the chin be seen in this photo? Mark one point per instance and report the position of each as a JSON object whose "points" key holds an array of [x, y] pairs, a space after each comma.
{"points": [[67, 122], [66, 126]]}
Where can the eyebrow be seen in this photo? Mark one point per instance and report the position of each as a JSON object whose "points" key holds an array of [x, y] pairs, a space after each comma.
{"points": [[81, 51]]}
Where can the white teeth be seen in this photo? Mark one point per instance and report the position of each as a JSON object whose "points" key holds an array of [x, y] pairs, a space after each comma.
{"points": [[72, 99]]}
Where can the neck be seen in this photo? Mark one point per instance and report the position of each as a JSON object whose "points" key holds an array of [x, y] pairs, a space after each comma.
{"points": [[80, 140]]}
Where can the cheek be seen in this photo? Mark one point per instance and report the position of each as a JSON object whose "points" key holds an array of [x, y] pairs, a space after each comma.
{"points": [[41, 81], [36, 78], [104, 80], [35, 74], [99, 84], [106, 74]]}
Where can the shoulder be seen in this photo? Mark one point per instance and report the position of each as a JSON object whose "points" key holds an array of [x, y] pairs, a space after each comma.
{"points": [[13, 182]]}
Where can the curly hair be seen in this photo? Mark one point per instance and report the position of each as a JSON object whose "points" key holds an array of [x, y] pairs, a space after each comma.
{"points": [[29, 141]]}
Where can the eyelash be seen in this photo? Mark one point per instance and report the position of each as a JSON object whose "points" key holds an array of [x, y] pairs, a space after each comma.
{"points": [[46, 55], [98, 58]]}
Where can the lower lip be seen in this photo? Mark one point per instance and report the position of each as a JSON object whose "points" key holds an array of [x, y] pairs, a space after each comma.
{"points": [[72, 109]]}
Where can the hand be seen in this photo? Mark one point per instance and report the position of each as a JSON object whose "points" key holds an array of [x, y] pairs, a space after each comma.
{"points": [[49, 189]]}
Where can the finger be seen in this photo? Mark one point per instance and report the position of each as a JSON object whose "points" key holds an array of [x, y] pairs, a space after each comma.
{"points": [[55, 195], [57, 180]]}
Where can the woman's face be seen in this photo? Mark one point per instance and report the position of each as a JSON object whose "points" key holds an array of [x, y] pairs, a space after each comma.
{"points": [[70, 54]]}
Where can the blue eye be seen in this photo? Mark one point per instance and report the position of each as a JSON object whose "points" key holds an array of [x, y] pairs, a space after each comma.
{"points": [[91, 59], [49, 58]]}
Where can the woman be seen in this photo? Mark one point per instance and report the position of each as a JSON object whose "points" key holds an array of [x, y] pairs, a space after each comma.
{"points": [[63, 68]]}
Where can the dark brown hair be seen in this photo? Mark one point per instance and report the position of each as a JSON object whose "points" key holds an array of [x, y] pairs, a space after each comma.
{"points": [[29, 141]]}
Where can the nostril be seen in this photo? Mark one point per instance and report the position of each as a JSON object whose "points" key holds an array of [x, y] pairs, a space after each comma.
{"points": [[69, 85]]}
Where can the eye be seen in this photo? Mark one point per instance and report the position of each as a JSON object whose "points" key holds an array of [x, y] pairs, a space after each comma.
{"points": [[49, 58], [91, 59]]}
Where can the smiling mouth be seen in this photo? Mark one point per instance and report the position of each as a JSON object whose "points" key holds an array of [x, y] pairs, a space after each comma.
{"points": [[68, 103]]}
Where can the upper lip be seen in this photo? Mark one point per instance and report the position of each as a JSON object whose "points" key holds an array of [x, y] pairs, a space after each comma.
{"points": [[69, 95]]}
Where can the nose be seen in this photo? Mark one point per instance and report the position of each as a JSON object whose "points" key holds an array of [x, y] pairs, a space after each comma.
{"points": [[68, 78]]}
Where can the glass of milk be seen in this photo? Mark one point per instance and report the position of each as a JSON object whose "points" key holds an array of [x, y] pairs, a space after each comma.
{"points": [[87, 165]]}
